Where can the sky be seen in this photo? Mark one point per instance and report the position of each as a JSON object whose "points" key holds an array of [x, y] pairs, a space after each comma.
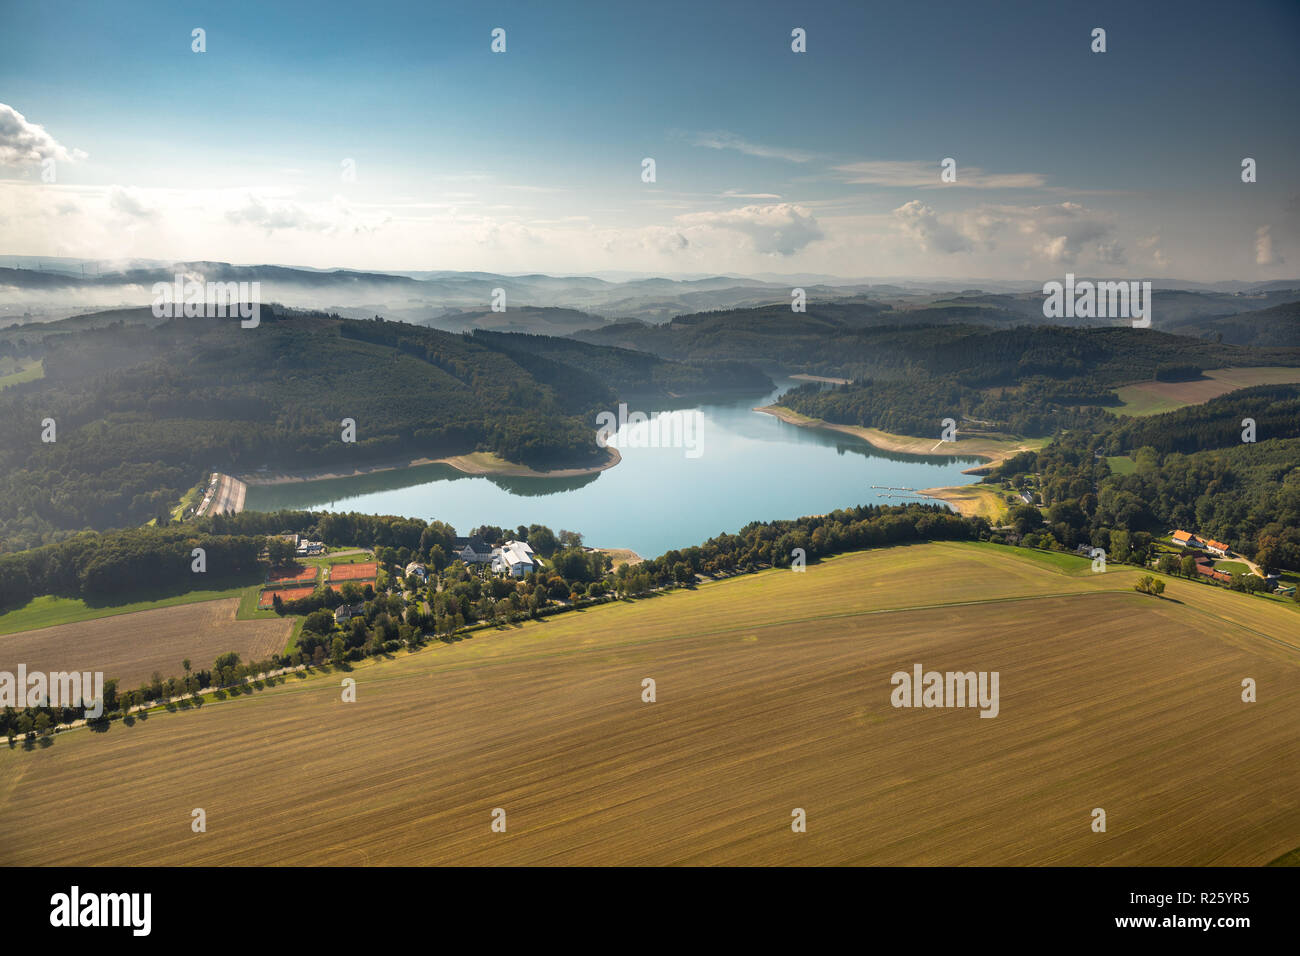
{"points": [[390, 136]]}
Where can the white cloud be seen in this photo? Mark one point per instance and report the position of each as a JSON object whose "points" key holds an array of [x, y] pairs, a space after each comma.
{"points": [[1152, 244], [1111, 252], [914, 174], [1059, 233], [779, 228], [922, 224], [130, 203], [721, 139], [1062, 232], [1264, 254], [737, 194], [24, 143], [273, 216]]}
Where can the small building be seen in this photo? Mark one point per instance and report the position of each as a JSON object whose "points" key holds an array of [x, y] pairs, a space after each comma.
{"points": [[417, 570], [1206, 569], [346, 612], [1217, 547], [472, 550], [306, 548]]}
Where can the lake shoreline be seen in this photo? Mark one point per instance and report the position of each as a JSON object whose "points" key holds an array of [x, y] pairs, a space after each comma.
{"points": [[475, 463], [960, 498]]}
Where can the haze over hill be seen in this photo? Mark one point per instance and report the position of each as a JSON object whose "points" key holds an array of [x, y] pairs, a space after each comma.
{"points": [[33, 289]]}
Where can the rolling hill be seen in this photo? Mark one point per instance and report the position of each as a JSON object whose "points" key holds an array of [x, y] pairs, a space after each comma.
{"points": [[773, 692]]}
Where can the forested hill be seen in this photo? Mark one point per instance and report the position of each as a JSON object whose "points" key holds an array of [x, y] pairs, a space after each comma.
{"points": [[142, 413], [864, 341], [1277, 325]]}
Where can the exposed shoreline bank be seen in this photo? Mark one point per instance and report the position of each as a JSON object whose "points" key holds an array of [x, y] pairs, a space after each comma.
{"points": [[961, 498], [475, 463]]}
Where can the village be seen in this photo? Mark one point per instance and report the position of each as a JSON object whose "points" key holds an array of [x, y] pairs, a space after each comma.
{"points": [[351, 601], [1215, 561]]}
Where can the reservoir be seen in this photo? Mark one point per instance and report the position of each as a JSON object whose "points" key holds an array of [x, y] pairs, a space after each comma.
{"points": [[744, 466]]}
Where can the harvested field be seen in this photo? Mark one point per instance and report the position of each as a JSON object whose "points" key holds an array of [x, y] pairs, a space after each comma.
{"points": [[278, 578], [773, 693], [1153, 398], [362, 571], [267, 598], [132, 646]]}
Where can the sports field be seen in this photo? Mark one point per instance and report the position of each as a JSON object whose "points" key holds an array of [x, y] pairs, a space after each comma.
{"points": [[1153, 398], [773, 693], [132, 646], [267, 598], [361, 571], [303, 576]]}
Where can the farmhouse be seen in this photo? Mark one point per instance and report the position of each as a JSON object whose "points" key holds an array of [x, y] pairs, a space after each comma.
{"points": [[515, 558], [346, 612], [472, 550], [1186, 539], [1217, 547], [1205, 568]]}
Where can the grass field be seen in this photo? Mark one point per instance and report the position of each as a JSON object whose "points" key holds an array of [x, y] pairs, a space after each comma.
{"points": [[976, 501], [773, 692], [49, 610], [345, 556], [132, 646], [189, 499], [1122, 465], [1153, 398], [27, 373]]}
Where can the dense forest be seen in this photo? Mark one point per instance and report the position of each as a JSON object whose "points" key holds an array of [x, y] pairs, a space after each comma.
{"points": [[141, 413], [1039, 407], [848, 341]]}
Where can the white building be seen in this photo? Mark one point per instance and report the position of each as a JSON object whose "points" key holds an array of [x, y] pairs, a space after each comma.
{"points": [[415, 569], [515, 558]]}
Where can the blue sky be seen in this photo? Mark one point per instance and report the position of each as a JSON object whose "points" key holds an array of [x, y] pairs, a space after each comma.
{"points": [[1123, 162]]}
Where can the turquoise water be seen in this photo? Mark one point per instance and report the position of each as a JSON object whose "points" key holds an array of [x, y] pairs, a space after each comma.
{"points": [[738, 466]]}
